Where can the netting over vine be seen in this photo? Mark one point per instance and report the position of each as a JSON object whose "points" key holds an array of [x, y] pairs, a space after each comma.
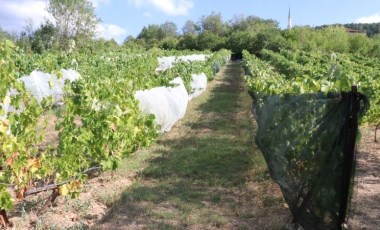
{"points": [[302, 139]]}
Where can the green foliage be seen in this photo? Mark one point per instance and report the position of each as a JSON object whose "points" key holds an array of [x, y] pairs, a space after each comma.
{"points": [[163, 36], [375, 47], [254, 34], [330, 39], [301, 106], [298, 72], [185, 70], [213, 24], [241, 40], [359, 44], [43, 38], [212, 33], [19, 165], [169, 43], [99, 125], [168, 29], [4, 35], [188, 42], [334, 39], [252, 23], [152, 32], [300, 38], [190, 28], [208, 40], [370, 29]]}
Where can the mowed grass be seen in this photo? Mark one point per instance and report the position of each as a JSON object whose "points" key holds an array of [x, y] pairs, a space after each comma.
{"points": [[207, 173]]}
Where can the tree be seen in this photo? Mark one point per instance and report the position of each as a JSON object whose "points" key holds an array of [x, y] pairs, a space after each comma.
{"points": [[213, 24], [301, 37], [169, 43], [333, 39], [168, 29], [164, 36], [43, 38], [375, 50], [188, 42], [152, 32], [238, 41], [190, 27], [239, 23], [209, 40], [150, 36], [129, 38], [75, 19]]}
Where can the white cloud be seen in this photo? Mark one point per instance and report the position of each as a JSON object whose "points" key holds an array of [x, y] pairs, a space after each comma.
{"points": [[169, 7], [15, 13], [109, 31], [370, 19]]}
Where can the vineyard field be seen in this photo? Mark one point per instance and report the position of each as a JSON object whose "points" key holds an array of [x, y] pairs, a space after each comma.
{"points": [[98, 124]]}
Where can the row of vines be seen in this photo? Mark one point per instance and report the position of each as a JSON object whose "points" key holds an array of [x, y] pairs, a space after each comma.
{"points": [[98, 124], [299, 72], [306, 110]]}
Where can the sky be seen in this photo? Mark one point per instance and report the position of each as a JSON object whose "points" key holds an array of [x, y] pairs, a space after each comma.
{"points": [[121, 18]]}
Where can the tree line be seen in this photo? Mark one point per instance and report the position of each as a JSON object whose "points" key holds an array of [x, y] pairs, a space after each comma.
{"points": [[75, 20], [370, 29]]}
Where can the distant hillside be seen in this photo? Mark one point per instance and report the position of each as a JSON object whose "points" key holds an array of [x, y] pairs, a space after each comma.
{"points": [[370, 29]]}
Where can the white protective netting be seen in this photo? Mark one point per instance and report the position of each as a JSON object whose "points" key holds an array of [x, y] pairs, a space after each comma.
{"points": [[198, 84], [165, 63], [41, 85], [168, 104]]}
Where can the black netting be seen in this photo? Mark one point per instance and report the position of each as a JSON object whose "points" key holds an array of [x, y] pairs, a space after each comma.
{"points": [[302, 138]]}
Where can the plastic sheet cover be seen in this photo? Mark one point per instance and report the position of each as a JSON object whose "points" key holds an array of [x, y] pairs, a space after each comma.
{"points": [[198, 84], [41, 85], [165, 63], [168, 104]]}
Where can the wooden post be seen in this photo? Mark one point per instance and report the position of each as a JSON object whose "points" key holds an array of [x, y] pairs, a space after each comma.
{"points": [[4, 221], [52, 198], [350, 132]]}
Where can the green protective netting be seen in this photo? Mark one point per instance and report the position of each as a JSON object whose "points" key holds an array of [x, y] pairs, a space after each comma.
{"points": [[302, 140]]}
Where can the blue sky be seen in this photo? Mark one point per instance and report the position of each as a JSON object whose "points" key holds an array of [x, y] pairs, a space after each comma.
{"points": [[121, 18]]}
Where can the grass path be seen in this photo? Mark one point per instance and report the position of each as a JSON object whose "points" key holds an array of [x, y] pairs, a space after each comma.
{"points": [[207, 173]]}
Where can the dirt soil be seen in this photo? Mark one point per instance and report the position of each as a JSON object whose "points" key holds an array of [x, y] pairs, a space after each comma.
{"points": [[365, 210]]}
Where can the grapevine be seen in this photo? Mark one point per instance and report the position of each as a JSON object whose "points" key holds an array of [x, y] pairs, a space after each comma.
{"points": [[99, 124]]}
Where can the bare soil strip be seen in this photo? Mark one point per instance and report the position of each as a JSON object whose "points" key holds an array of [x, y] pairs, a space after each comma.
{"points": [[365, 210]]}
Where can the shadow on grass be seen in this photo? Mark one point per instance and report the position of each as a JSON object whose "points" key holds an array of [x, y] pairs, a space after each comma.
{"points": [[196, 180]]}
